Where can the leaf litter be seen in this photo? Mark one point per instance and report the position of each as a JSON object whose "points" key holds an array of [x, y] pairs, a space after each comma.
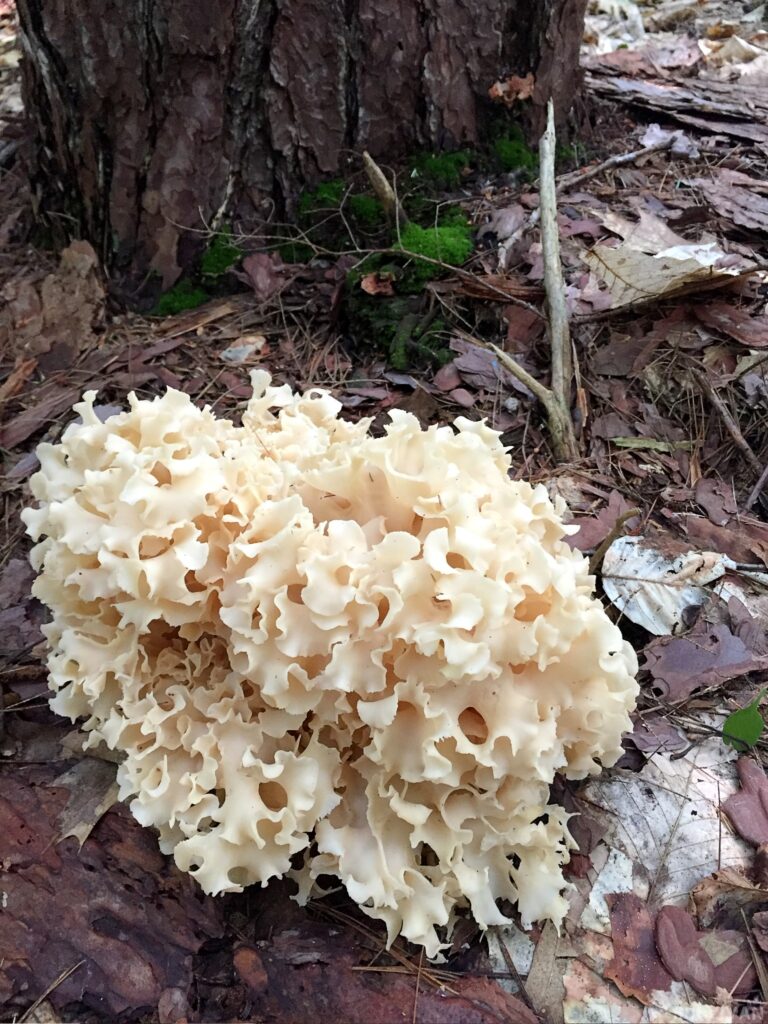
{"points": [[670, 881]]}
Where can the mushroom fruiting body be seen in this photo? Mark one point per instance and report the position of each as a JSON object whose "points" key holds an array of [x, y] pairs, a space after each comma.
{"points": [[322, 652]]}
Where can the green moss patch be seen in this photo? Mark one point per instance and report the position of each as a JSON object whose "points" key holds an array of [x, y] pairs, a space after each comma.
{"points": [[449, 243], [184, 295], [512, 153], [442, 170], [221, 255], [366, 211]]}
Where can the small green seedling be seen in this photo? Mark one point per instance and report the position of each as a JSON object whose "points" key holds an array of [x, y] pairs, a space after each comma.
{"points": [[743, 728]]}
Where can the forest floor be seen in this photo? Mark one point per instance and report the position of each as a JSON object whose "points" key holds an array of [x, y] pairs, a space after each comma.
{"points": [[664, 256]]}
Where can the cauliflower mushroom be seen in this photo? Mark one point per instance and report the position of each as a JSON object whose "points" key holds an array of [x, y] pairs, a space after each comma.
{"points": [[323, 652]]}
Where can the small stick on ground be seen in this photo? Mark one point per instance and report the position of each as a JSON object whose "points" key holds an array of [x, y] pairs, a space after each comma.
{"points": [[729, 422], [758, 489], [620, 160], [384, 191]]}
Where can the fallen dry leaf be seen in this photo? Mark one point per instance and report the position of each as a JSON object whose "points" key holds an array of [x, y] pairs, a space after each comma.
{"points": [[760, 929], [666, 820], [707, 656], [544, 984], [480, 368], [748, 809], [21, 615], [681, 144], [265, 273], [741, 545], [634, 278], [722, 899], [654, 734], [653, 582], [707, 960], [250, 348], [735, 322], [636, 967], [648, 234], [447, 377], [593, 529], [717, 499], [91, 790], [588, 997]]}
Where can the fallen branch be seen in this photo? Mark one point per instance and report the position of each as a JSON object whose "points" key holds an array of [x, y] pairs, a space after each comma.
{"points": [[559, 422]]}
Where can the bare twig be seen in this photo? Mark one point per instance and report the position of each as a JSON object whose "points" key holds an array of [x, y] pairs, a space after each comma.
{"points": [[620, 160], [384, 191], [566, 181], [729, 422], [758, 489], [514, 972], [559, 421]]}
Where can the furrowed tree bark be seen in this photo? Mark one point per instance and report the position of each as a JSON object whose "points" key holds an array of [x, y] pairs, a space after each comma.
{"points": [[154, 119]]}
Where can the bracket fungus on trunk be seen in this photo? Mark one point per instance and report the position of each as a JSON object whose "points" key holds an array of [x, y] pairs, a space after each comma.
{"points": [[322, 652]]}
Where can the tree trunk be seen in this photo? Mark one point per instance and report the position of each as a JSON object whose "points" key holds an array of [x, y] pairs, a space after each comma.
{"points": [[153, 119]]}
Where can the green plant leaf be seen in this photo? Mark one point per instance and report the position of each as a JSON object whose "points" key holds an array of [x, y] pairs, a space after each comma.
{"points": [[744, 728]]}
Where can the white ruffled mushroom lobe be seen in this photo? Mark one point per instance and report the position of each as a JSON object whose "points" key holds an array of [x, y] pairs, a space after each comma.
{"points": [[374, 653]]}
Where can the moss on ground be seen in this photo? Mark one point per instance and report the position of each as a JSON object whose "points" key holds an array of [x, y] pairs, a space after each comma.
{"points": [[396, 326], [326, 196], [183, 296], [221, 255], [366, 211], [512, 152], [449, 243], [442, 170]]}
